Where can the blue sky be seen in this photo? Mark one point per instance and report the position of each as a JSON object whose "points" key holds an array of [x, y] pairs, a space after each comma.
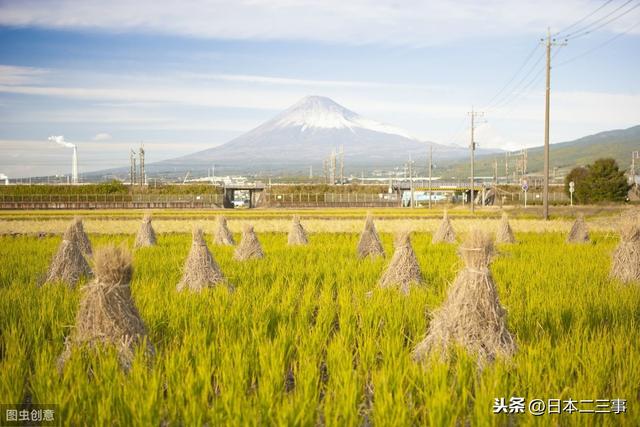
{"points": [[184, 78]]}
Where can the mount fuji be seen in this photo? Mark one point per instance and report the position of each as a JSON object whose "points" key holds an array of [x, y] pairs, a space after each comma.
{"points": [[305, 134]]}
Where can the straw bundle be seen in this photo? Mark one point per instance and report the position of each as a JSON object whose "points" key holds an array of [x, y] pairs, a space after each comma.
{"points": [[625, 265], [505, 233], [81, 237], [370, 244], [68, 264], [579, 232], [200, 270], [471, 315], [445, 231], [249, 247], [107, 314], [146, 235], [223, 235], [403, 270], [297, 235]]}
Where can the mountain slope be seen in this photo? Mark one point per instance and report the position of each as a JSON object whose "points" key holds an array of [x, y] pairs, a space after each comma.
{"points": [[305, 134], [565, 155]]}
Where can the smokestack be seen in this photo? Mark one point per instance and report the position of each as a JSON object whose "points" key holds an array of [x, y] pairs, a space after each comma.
{"points": [[74, 166], [74, 160]]}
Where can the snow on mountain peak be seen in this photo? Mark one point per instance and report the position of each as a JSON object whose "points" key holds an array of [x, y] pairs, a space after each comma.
{"points": [[313, 112]]}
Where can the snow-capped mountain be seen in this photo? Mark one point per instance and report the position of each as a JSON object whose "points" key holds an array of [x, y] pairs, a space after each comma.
{"points": [[305, 134], [318, 112]]}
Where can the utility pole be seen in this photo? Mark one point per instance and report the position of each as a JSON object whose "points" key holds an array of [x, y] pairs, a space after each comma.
{"points": [[472, 147], [495, 173], [430, 170], [545, 193]]}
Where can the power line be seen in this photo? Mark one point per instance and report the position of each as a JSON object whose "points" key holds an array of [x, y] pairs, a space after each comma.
{"points": [[533, 83], [599, 24], [529, 56], [519, 84], [459, 129], [601, 45], [537, 78], [583, 18], [506, 99]]}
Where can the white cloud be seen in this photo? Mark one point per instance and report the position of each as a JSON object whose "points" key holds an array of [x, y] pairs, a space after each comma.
{"points": [[231, 104], [15, 75], [212, 97], [103, 136], [286, 81], [409, 22]]}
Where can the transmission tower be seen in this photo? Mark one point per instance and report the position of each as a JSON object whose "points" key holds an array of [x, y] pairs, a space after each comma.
{"points": [[132, 172], [142, 173], [332, 167], [342, 164]]}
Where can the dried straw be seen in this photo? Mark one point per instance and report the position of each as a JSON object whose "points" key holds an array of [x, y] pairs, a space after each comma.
{"points": [[579, 232], [223, 235], [107, 314], [200, 270], [68, 264], [81, 237], [297, 235], [445, 231], [505, 233], [146, 235], [471, 315], [625, 265], [249, 247], [403, 270], [370, 244]]}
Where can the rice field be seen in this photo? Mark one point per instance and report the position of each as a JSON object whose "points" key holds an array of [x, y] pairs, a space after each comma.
{"points": [[307, 338]]}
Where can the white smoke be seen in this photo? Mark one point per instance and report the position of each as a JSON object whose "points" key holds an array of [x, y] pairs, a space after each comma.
{"points": [[3, 176], [60, 140]]}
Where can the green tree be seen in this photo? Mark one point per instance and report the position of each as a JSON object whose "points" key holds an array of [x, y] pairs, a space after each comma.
{"points": [[579, 176], [606, 182]]}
